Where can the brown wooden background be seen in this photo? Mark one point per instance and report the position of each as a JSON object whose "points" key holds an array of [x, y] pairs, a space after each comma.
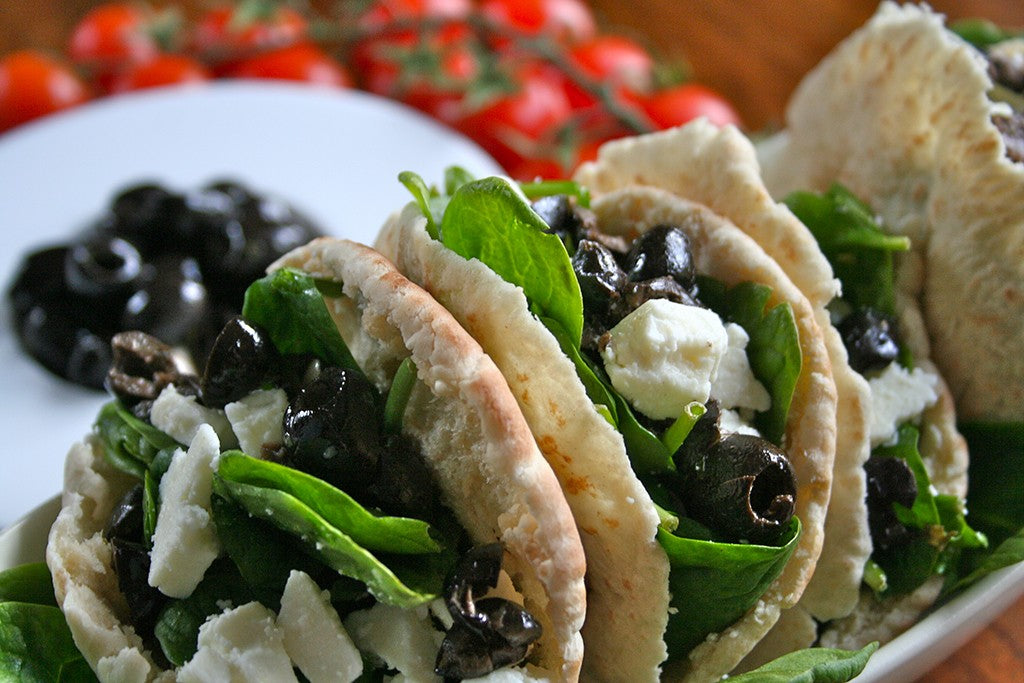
{"points": [[754, 52]]}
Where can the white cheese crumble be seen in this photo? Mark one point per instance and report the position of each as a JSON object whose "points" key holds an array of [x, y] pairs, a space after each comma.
{"points": [[898, 396], [404, 638], [180, 417], [735, 385], [258, 419], [313, 635], [731, 422], [185, 540], [664, 355], [242, 644]]}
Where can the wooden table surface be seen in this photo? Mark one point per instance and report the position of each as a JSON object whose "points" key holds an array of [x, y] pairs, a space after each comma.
{"points": [[754, 53]]}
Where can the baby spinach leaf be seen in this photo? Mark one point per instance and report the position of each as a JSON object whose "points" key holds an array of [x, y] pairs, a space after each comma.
{"points": [[424, 197], [29, 583], [813, 665], [455, 177], [547, 188], [177, 627], [289, 306], [598, 390], [401, 535], [773, 349], [860, 251], [398, 396], [1009, 552], [323, 540], [714, 584], [490, 220], [150, 507], [130, 444], [36, 646]]}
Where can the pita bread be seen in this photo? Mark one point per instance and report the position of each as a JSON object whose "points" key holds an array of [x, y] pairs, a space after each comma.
{"points": [[472, 433], [918, 143], [614, 512]]}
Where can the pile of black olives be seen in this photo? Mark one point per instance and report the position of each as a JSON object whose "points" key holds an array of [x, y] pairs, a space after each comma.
{"points": [[616, 277], [173, 265], [486, 633]]}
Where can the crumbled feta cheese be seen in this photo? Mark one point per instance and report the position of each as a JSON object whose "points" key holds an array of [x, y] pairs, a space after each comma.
{"points": [[898, 396], [735, 385], [313, 635], [526, 674], [185, 540], [664, 355], [242, 644], [180, 416], [731, 422], [404, 638], [258, 419]]}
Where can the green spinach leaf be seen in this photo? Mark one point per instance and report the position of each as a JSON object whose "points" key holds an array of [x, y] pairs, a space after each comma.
{"points": [[491, 221], [813, 665], [29, 583], [36, 646], [398, 396], [714, 584], [289, 306], [130, 444]]}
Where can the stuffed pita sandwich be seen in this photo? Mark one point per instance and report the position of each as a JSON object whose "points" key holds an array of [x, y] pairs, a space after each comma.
{"points": [[897, 441], [348, 487], [676, 381]]}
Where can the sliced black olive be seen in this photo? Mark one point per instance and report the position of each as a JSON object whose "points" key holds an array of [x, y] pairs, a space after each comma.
{"points": [[469, 652], [332, 430], [241, 359], [1006, 64], [89, 359], [889, 480], [599, 275], [148, 215], [102, 267], [558, 213], [41, 276], [870, 339], [125, 521], [142, 367], [662, 250], [635, 294], [170, 302], [740, 486], [52, 334], [476, 572]]}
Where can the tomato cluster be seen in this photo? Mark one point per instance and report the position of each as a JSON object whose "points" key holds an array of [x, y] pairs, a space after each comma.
{"points": [[534, 82]]}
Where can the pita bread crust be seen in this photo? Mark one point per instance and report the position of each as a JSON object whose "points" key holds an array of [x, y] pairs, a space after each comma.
{"points": [[615, 515], [471, 431], [918, 142], [726, 253], [881, 621]]}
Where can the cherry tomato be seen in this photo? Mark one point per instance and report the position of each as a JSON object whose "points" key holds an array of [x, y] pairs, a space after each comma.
{"points": [[677, 105], [33, 84], [611, 60], [222, 35], [511, 126], [382, 12], [110, 37], [164, 69], [300, 62], [567, 20]]}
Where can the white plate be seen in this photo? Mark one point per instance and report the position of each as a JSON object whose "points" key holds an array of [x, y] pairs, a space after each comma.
{"points": [[906, 658], [334, 154]]}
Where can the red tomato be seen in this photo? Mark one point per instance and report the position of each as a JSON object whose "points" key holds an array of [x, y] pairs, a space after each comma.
{"points": [[33, 84], [221, 32], [112, 36], [300, 62], [677, 105], [165, 69], [510, 126], [385, 11], [614, 60], [569, 20]]}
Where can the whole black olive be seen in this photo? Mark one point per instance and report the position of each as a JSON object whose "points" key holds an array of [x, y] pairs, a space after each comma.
{"points": [[870, 339], [662, 250], [170, 301], [558, 213], [332, 430], [635, 294], [740, 486], [599, 275], [131, 563], [241, 359], [889, 480], [102, 267]]}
